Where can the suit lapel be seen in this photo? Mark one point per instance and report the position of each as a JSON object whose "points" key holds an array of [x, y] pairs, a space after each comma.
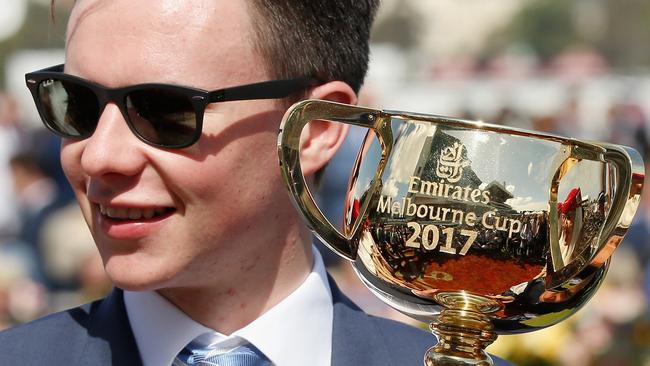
{"points": [[110, 340], [355, 339]]}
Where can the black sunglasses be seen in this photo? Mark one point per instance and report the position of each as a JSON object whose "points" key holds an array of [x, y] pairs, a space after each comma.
{"points": [[162, 115]]}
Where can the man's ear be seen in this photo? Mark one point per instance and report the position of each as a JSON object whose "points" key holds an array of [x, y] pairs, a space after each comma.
{"points": [[320, 140]]}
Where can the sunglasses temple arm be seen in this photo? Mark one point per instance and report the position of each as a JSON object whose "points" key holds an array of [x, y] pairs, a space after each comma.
{"points": [[265, 90]]}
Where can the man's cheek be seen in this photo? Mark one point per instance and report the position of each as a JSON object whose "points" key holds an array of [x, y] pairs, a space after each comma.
{"points": [[71, 160]]}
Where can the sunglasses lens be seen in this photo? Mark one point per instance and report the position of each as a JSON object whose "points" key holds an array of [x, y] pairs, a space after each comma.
{"points": [[162, 117], [68, 108]]}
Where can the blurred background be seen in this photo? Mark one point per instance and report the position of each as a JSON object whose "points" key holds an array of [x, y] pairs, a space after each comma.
{"points": [[577, 68]]}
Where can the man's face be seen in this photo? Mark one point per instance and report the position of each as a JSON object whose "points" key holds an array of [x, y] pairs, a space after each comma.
{"points": [[214, 204]]}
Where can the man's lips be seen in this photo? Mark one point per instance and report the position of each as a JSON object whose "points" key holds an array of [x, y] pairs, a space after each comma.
{"points": [[133, 213], [130, 223]]}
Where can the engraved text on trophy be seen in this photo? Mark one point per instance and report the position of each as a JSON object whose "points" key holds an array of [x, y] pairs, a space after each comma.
{"points": [[451, 163]]}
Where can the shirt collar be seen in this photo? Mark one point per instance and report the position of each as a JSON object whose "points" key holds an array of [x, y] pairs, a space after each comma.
{"points": [[296, 331], [160, 329]]}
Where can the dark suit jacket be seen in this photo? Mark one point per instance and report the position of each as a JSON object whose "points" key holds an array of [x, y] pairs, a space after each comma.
{"points": [[99, 333]]}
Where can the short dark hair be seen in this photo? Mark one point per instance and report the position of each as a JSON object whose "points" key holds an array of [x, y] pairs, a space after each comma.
{"points": [[323, 38], [328, 39]]}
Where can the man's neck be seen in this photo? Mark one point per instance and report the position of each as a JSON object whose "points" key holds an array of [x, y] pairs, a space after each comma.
{"points": [[229, 308]]}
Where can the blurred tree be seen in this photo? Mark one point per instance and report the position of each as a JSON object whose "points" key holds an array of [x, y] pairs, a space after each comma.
{"points": [[625, 40], [39, 31], [401, 27], [545, 25], [618, 29]]}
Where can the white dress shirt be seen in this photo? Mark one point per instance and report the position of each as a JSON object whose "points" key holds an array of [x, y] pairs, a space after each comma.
{"points": [[295, 332]]}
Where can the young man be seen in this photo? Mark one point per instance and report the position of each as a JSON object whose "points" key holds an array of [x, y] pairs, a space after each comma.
{"points": [[196, 230]]}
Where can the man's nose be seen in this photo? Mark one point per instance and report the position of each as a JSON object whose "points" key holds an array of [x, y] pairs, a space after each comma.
{"points": [[112, 148]]}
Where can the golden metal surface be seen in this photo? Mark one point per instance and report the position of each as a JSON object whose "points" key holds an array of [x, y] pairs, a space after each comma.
{"points": [[475, 228]]}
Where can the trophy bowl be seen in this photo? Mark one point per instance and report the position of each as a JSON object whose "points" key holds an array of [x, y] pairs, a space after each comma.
{"points": [[474, 228]]}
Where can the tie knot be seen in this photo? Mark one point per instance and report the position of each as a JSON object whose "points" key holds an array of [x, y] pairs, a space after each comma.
{"points": [[242, 355]]}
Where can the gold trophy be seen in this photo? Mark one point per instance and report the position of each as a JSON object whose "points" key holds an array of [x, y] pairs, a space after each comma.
{"points": [[474, 228]]}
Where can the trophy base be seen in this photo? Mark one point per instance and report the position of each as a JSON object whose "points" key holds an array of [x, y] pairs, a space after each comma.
{"points": [[463, 329], [434, 358]]}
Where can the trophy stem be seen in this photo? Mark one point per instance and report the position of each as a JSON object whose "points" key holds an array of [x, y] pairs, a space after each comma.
{"points": [[463, 334]]}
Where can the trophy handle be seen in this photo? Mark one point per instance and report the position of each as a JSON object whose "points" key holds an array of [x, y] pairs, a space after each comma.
{"points": [[628, 185], [293, 122], [630, 174]]}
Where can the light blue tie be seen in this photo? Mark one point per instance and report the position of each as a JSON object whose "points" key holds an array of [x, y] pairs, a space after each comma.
{"points": [[245, 355]]}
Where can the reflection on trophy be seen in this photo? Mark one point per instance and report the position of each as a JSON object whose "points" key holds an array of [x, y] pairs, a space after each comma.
{"points": [[474, 228]]}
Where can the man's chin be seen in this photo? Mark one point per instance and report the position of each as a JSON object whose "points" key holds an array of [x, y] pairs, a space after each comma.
{"points": [[139, 271], [135, 281], [135, 287]]}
